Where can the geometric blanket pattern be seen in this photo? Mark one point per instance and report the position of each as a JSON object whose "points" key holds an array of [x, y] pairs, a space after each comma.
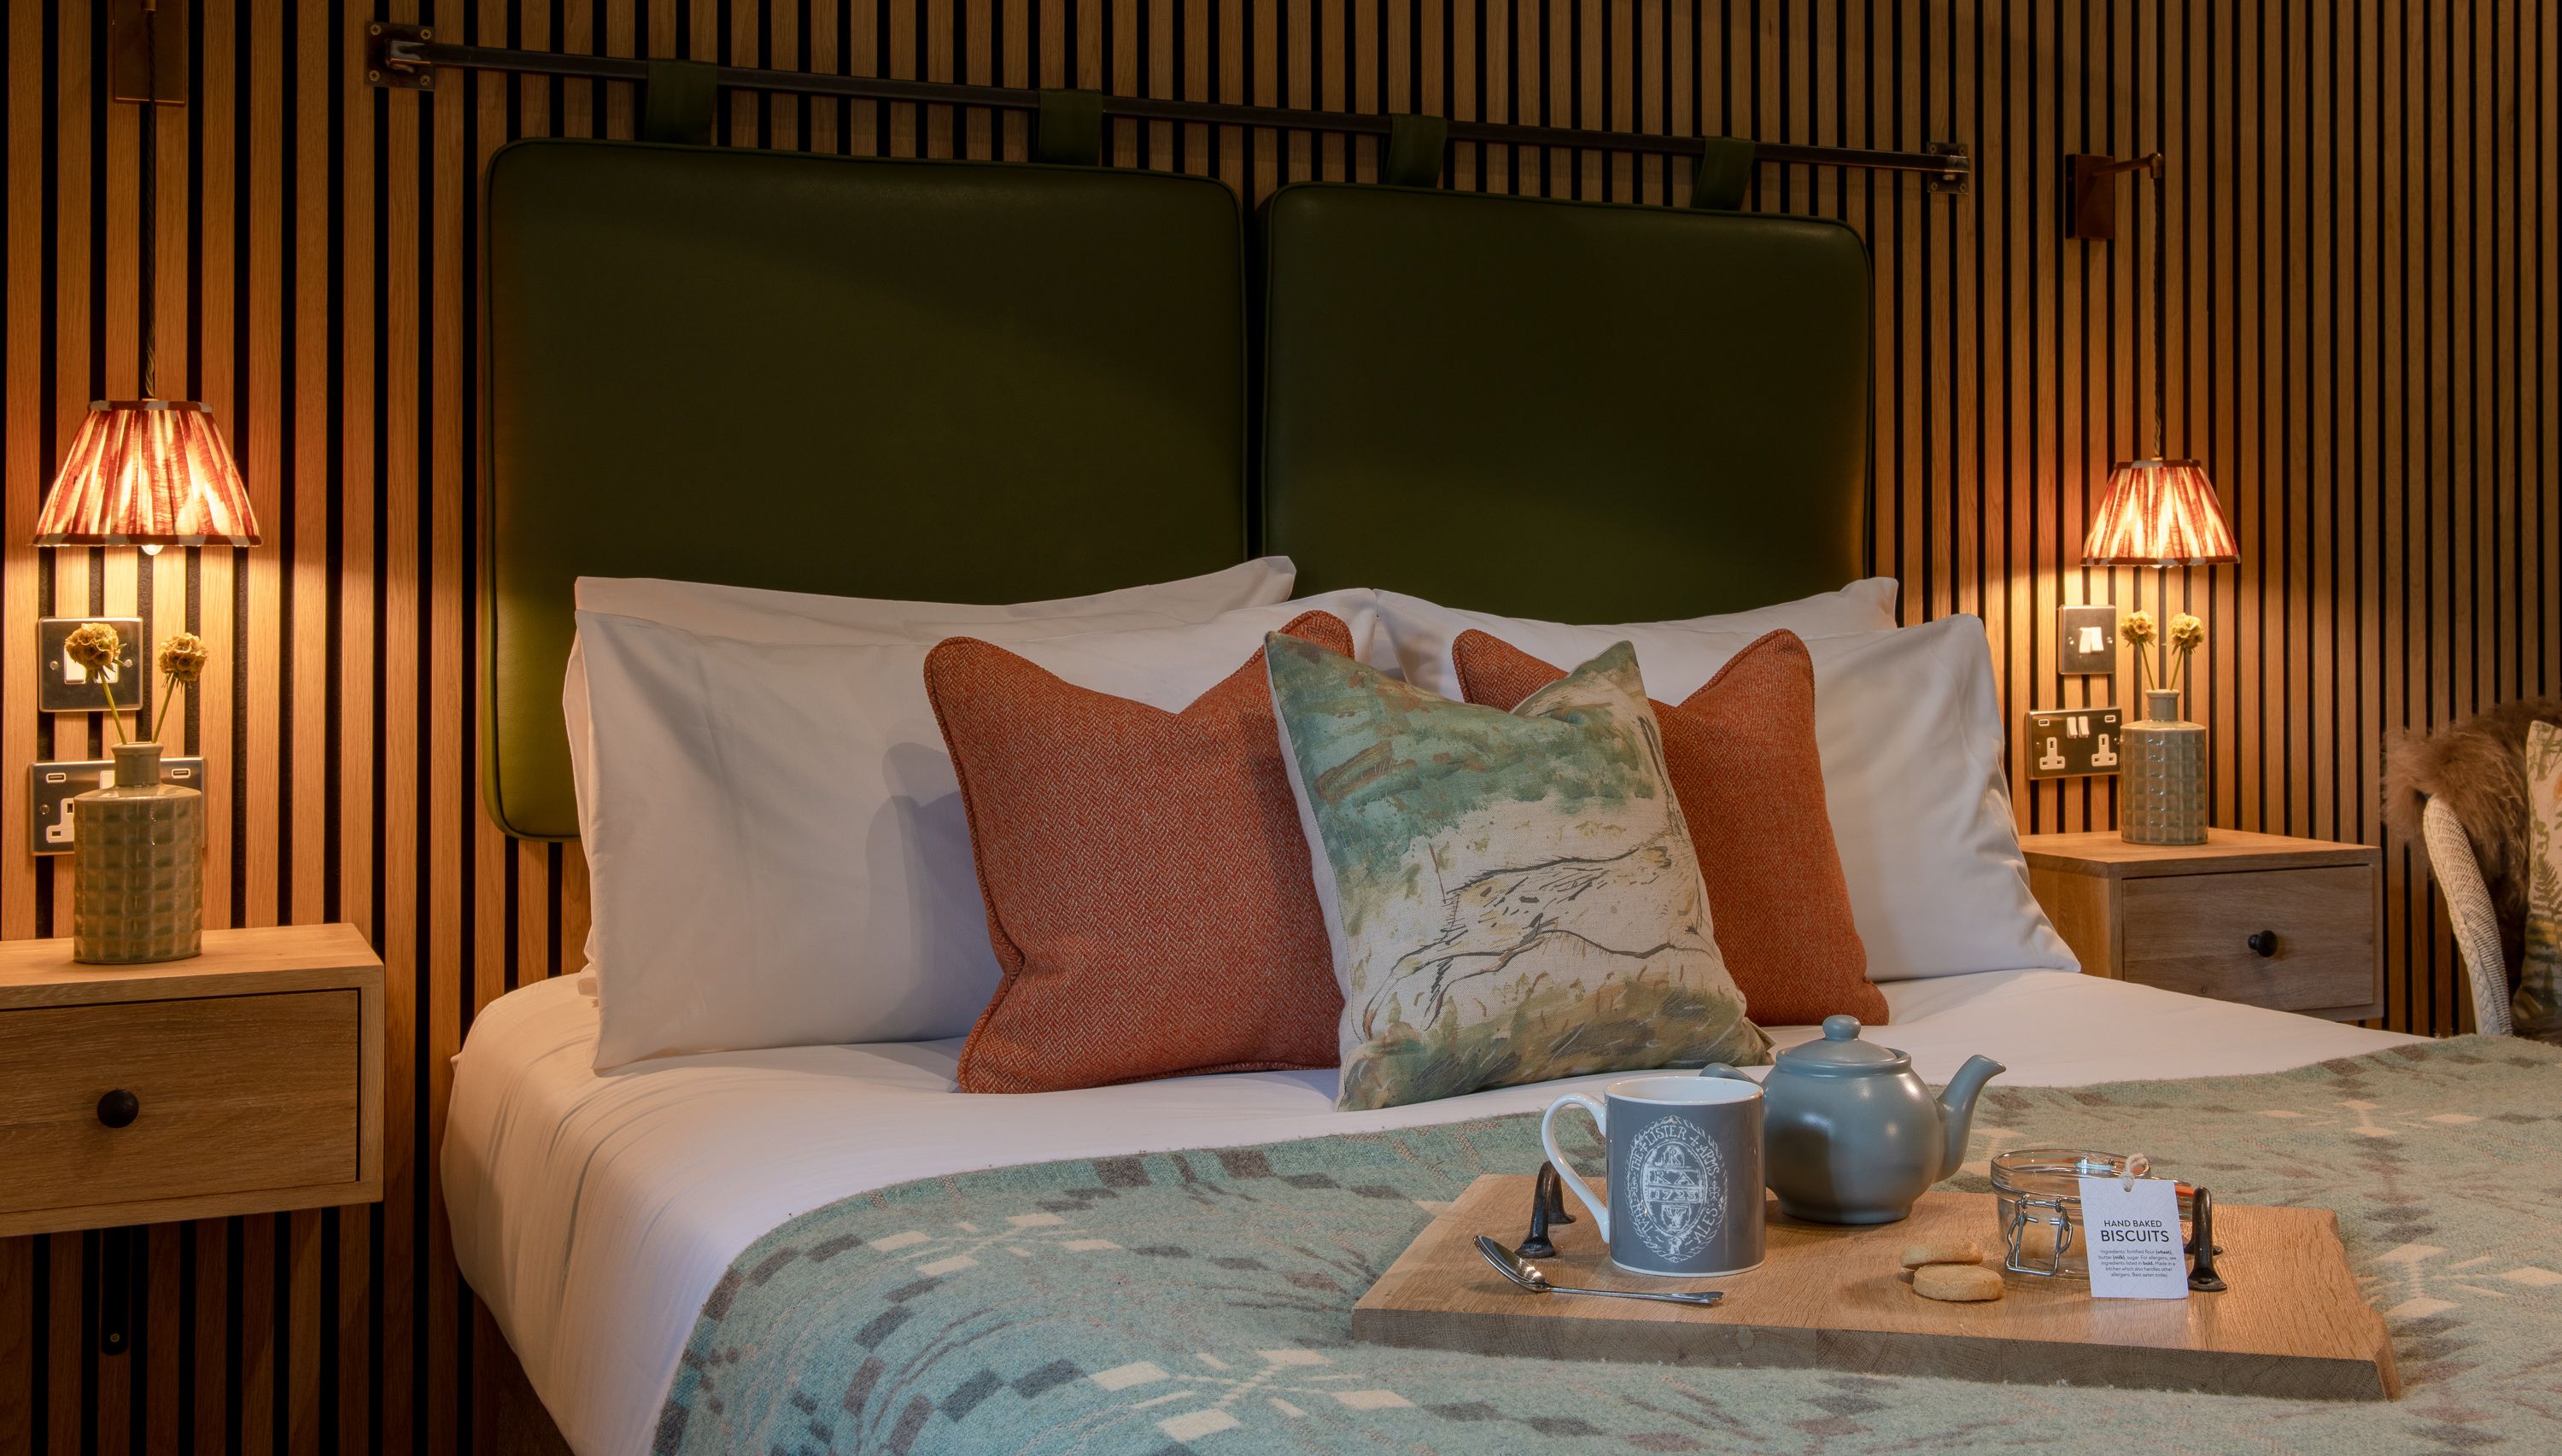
{"points": [[1201, 1301]]}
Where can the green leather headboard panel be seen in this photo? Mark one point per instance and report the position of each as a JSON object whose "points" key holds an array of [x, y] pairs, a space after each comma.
{"points": [[1574, 411], [945, 381]]}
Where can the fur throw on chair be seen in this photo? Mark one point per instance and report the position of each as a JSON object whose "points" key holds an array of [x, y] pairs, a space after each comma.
{"points": [[2479, 766]]}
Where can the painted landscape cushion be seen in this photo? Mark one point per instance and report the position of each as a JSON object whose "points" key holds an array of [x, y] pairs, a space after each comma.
{"points": [[1511, 896], [1144, 875], [1751, 781]]}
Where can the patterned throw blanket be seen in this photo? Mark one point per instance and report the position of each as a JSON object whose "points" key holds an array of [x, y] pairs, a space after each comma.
{"points": [[1200, 1301]]}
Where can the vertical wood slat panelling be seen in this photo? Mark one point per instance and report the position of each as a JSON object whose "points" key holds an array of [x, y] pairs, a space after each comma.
{"points": [[2360, 266]]}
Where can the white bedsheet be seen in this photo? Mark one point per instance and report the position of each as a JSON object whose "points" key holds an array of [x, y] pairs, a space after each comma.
{"points": [[594, 1212]]}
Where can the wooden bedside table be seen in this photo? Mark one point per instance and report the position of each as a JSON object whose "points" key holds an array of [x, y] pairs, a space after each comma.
{"points": [[246, 1080], [2262, 919]]}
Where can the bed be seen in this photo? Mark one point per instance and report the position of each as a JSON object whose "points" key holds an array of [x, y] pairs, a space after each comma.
{"points": [[595, 1213], [1147, 405]]}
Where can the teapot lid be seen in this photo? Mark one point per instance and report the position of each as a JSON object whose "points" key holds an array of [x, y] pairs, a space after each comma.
{"points": [[1841, 1053]]}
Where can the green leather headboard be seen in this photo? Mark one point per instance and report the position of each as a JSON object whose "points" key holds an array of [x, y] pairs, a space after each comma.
{"points": [[1582, 412], [946, 381]]}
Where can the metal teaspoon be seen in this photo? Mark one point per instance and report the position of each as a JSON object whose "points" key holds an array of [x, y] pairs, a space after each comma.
{"points": [[1529, 1277]]}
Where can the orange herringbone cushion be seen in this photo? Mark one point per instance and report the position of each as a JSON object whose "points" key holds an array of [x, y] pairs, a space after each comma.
{"points": [[1743, 759], [1146, 881]]}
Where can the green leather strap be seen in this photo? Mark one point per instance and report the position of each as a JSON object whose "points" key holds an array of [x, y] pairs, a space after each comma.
{"points": [[676, 103], [1414, 148], [1068, 128], [1724, 170]]}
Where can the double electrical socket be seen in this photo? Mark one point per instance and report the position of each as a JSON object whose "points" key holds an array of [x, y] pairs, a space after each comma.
{"points": [[2064, 743], [51, 787]]}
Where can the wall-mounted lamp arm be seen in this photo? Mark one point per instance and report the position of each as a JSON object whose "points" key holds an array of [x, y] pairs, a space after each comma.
{"points": [[2091, 202]]}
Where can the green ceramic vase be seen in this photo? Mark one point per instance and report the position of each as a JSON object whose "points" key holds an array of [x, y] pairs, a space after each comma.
{"points": [[137, 866]]}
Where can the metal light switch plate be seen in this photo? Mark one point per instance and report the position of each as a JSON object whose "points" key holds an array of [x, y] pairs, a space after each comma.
{"points": [[66, 687], [51, 787], [2068, 743], [2089, 638]]}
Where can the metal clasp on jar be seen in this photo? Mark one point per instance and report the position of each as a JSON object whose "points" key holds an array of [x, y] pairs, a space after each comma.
{"points": [[2060, 1219]]}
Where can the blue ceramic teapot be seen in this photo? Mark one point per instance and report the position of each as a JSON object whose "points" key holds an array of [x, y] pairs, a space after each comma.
{"points": [[1851, 1133]]}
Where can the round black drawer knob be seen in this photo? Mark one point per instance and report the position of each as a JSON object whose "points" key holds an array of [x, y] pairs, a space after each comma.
{"points": [[119, 1108], [2263, 942]]}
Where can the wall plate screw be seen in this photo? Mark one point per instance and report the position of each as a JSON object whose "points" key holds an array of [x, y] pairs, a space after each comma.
{"points": [[374, 30], [373, 76]]}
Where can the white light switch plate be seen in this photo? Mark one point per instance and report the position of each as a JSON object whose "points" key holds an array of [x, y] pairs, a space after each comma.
{"points": [[2087, 641], [52, 787], [63, 688]]}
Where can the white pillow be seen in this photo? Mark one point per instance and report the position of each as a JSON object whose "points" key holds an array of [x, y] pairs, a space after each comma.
{"points": [[1424, 630], [756, 615], [1910, 731], [776, 846]]}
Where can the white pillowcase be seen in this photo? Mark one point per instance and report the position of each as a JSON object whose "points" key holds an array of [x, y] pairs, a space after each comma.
{"points": [[1910, 731], [754, 615], [1424, 630], [776, 844]]}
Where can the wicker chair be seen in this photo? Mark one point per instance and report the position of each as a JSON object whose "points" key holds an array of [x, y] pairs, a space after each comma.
{"points": [[2477, 922]]}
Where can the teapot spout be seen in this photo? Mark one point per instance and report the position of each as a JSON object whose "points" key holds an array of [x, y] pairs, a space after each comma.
{"points": [[1958, 1109]]}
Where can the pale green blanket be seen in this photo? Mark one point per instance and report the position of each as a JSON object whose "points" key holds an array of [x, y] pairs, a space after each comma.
{"points": [[1200, 1301]]}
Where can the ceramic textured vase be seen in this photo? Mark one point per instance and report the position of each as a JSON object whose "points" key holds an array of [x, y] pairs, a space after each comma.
{"points": [[2161, 790], [137, 866]]}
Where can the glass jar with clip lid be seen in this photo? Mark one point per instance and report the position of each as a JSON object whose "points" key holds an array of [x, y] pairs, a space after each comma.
{"points": [[2036, 1194]]}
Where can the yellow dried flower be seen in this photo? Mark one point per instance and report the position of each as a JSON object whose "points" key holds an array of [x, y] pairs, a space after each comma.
{"points": [[183, 656], [2137, 629], [96, 647], [2187, 632]]}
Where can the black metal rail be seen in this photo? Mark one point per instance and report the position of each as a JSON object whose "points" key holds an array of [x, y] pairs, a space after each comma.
{"points": [[405, 55]]}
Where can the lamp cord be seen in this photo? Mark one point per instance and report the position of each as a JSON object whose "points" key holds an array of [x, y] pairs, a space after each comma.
{"points": [[147, 204], [2161, 320]]}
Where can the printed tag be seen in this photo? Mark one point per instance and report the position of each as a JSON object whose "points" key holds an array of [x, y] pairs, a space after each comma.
{"points": [[2131, 1231]]}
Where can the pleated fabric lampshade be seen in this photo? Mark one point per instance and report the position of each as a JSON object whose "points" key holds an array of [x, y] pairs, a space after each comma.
{"points": [[2159, 513], [147, 473]]}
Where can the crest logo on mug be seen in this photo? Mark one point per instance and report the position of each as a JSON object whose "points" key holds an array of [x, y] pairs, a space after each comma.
{"points": [[1679, 1188]]}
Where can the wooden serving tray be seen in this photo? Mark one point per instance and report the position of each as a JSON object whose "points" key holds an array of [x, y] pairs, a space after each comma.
{"points": [[2292, 1324]]}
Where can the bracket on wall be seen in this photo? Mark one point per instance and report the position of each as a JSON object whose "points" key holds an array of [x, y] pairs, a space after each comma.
{"points": [[1960, 171], [146, 52], [2091, 212], [387, 58]]}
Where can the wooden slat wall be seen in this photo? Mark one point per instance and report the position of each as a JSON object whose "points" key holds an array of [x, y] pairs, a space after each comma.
{"points": [[2361, 266]]}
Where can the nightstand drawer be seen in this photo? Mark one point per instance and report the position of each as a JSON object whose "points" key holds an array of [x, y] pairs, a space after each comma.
{"points": [[2193, 932], [230, 1093]]}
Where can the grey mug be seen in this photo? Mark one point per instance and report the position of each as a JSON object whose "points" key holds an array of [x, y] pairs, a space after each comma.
{"points": [[1685, 1181]]}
